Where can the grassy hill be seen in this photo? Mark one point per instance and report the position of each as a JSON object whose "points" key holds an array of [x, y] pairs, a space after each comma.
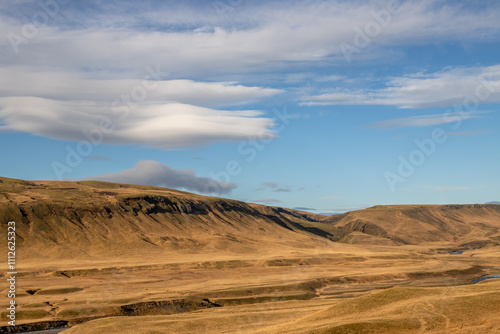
{"points": [[95, 219], [150, 259], [468, 226]]}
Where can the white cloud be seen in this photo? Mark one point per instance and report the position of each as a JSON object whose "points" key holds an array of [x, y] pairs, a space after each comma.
{"points": [[167, 114], [74, 51], [194, 39], [74, 86], [452, 86], [153, 173], [162, 113], [154, 124], [424, 120]]}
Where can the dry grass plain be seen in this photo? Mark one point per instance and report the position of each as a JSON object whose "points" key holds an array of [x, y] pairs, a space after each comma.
{"points": [[345, 289], [107, 258]]}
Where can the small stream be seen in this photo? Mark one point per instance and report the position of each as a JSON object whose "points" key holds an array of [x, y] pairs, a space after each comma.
{"points": [[484, 278], [46, 331]]}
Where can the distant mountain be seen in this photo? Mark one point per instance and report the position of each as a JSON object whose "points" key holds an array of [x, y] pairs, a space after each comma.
{"points": [[493, 203], [414, 224]]}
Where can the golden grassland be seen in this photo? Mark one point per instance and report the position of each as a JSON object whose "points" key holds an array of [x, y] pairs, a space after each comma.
{"points": [[109, 258], [452, 309]]}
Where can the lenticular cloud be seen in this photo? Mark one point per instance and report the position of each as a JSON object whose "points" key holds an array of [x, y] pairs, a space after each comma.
{"points": [[153, 173]]}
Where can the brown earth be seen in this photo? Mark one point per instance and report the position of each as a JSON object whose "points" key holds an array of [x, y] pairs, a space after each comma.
{"points": [[155, 260]]}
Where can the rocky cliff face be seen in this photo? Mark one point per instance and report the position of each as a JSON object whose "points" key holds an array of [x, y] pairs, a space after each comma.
{"points": [[95, 219], [71, 219]]}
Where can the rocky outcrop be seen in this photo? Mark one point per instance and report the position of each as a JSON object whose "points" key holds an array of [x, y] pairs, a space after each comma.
{"points": [[166, 307]]}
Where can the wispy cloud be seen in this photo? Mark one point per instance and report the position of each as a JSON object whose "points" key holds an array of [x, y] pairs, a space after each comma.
{"points": [[57, 85], [452, 86], [153, 173], [424, 120], [285, 189], [275, 187], [61, 92], [268, 201], [193, 39], [301, 208], [267, 185]]}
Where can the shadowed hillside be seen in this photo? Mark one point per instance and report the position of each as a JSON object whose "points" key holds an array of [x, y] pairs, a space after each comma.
{"points": [[72, 219], [157, 258], [82, 219]]}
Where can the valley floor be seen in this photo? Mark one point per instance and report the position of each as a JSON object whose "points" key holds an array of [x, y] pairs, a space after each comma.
{"points": [[339, 288]]}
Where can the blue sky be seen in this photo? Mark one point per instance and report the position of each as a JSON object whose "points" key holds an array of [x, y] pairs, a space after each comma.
{"points": [[328, 106]]}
